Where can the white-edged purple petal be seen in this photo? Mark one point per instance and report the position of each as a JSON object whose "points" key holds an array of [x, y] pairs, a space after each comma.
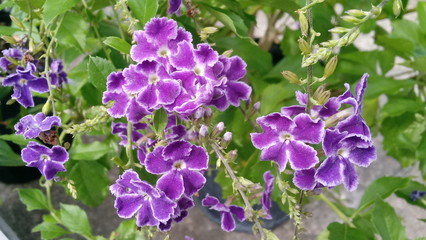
{"points": [[160, 30], [350, 178], [155, 162], [127, 205], [227, 222], [330, 172], [301, 156], [168, 90], [193, 181], [172, 184], [184, 58], [363, 156], [198, 159], [305, 179], [276, 153], [308, 130], [162, 208], [177, 150], [237, 91]]}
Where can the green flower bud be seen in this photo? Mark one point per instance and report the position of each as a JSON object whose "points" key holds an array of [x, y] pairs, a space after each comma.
{"points": [[227, 53], [206, 32], [351, 19], [291, 77], [304, 24], [46, 107], [376, 11], [356, 13], [330, 67], [397, 7], [10, 40], [304, 46], [339, 30], [17, 22], [353, 37], [330, 43], [320, 96]]}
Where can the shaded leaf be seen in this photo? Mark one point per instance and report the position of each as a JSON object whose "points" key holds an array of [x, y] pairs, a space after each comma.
{"points": [[17, 139], [99, 69], [143, 10], [160, 120], [387, 223], [49, 230], [8, 157], [90, 152], [53, 8], [33, 199], [382, 188], [91, 181], [344, 232], [118, 44], [75, 219], [72, 32]]}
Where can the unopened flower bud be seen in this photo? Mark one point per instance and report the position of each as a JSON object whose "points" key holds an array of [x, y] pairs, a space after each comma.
{"points": [[351, 19], [304, 24], [291, 77], [256, 106], [199, 113], [11, 101], [205, 32], [330, 67], [353, 36], [218, 129], [356, 13], [31, 45], [339, 30], [329, 43], [397, 7], [376, 11], [17, 22], [304, 46], [204, 131], [321, 96], [10, 40], [46, 107], [227, 53], [227, 138], [208, 112], [232, 156]]}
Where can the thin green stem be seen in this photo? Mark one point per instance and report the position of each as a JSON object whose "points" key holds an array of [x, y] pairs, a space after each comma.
{"points": [[247, 117], [310, 71], [336, 210], [129, 146], [309, 5], [30, 15], [297, 227], [231, 173]]}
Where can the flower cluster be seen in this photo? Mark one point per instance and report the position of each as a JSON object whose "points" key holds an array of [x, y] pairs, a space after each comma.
{"points": [[346, 140], [180, 165], [172, 74], [49, 161]]}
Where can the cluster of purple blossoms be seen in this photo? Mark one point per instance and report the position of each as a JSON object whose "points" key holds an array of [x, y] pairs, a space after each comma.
{"points": [[288, 136], [172, 74], [49, 161], [180, 165], [169, 73], [26, 79]]}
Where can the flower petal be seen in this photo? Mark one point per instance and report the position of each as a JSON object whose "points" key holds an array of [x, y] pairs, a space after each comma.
{"points": [[301, 156], [363, 156], [330, 173], [198, 159], [193, 181], [227, 222], [308, 130], [305, 179], [155, 162], [350, 178], [127, 205], [171, 184]]}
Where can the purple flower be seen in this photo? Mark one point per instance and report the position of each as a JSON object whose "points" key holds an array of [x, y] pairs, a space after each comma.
{"points": [[305, 179], [31, 126], [158, 41], [174, 6], [152, 83], [267, 192], [57, 74], [124, 104], [23, 81], [137, 197], [226, 211], [343, 150], [121, 130], [180, 164], [180, 212], [284, 139], [231, 90], [355, 124], [417, 195], [14, 53], [48, 161]]}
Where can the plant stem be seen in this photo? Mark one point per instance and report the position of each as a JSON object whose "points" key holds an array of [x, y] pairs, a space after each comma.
{"points": [[336, 210], [310, 71], [297, 227], [249, 208], [129, 146], [30, 15], [247, 117]]}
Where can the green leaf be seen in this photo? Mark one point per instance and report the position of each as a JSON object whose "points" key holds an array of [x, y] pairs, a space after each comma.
{"points": [[418, 64], [50, 230], [398, 106], [288, 6], [143, 10], [17, 139], [53, 8], [406, 192], [231, 20], [6, 4], [24, 6], [382, 188], [387, 223], [127, 231], [73, 32], [91, 94], [99, 69], [421, 155], [160, 120], [344, 232], [8, 157], [378, 85], [91, 181], [4, 30], [118, 44], [33, 199], [399, 46], [421, 11], [75, 219], [90, 152]]}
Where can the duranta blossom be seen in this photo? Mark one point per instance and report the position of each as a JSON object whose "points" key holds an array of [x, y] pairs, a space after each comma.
{"points": [[265, 201], [31, 126], [14, 53], [286, 140], [180, 163], [48, 161], [226, 212]]}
